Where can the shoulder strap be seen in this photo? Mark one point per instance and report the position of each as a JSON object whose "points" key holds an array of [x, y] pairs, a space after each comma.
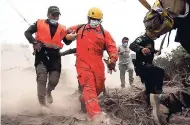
{"points": [[79, 26], [169, 38], [160, 3], [162, 43], [102, 29]]}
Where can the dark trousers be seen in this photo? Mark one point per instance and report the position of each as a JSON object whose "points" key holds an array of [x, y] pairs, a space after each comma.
{"points": [[183, 29], [153, 79], [42, 76]]}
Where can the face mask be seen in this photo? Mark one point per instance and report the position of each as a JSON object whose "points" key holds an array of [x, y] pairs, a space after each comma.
{"points": [[94, 23], [53, 21], [125, 44]]}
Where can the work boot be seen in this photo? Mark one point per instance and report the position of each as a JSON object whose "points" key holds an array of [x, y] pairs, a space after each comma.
{"points": [[45, 110], [100, 119], [122, 85], [131, 82], [41, 100], [49, 97], [83, 106], [160, 112]]}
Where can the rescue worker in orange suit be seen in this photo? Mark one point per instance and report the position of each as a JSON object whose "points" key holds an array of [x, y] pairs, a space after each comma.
{"points": [[73, 51], [92, 40], [47, 44]]}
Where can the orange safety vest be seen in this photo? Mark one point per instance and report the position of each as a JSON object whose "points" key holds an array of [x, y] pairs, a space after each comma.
{"points": [[43, 35]]}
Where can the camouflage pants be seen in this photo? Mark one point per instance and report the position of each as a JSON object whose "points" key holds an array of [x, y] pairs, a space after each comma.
{"points": [[175, 101], [42, 75], [123, 68]]}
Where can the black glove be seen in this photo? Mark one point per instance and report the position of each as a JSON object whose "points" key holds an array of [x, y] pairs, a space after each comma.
{"points": [[37, 46]]}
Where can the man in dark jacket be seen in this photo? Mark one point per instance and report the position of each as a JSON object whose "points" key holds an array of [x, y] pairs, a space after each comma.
{"points": [[151, 75], [47, 43]]}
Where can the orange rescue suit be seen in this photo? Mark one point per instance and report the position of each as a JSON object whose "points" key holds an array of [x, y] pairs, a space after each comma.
{"points": [[89, 63], [43, 34]]}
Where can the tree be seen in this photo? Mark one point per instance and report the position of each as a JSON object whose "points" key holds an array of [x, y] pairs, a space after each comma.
{"points": [[175, 64]]}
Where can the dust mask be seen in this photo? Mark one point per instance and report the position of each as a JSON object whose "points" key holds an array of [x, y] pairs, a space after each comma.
{"points": [[53, 21], [94, 23], [125, 44]]}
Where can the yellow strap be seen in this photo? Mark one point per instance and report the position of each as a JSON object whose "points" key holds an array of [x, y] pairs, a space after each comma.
{"points": [[156, 4]]}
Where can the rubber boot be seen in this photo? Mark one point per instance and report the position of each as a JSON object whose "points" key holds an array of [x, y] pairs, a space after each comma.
{"points": [[49, 97], [122, 85], [161, 113], [41, 100]]}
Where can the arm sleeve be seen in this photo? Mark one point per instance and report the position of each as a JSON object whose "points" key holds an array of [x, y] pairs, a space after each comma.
{"points": [[69, 30], [136, 45], [28, 33], [111, 47], [145, 4], [72, 29], [67, 52]]}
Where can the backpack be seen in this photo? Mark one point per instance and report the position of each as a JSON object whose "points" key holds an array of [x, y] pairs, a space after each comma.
{"points": [[158, 22], [80, 26]]}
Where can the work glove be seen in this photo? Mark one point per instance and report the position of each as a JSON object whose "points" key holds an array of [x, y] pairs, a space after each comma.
{"points": [[111, 65], [145, 51]]}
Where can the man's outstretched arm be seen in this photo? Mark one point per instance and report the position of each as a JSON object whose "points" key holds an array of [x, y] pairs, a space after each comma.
{"points": [[69, 51], [145, 4]]}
